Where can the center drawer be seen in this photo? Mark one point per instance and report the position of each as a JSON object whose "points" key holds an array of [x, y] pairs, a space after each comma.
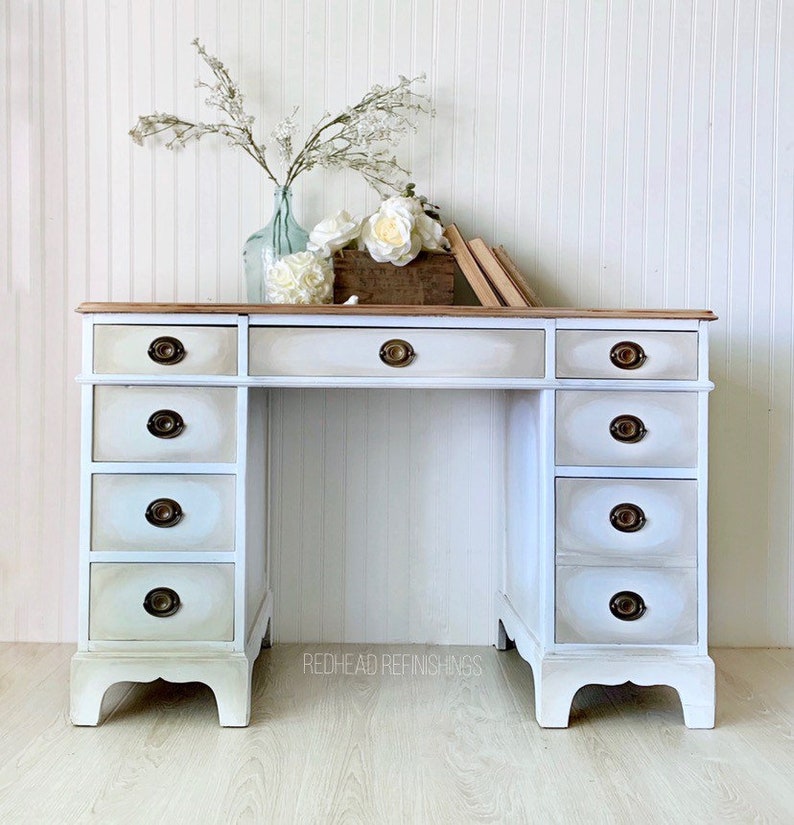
{"points": [[162, 512], [395, 353], [162, 602], [165, 423]]}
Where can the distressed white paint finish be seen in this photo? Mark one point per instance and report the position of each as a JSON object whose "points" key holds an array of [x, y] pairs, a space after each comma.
{"points": [[471, 353], [567, 611], [668, 355], [121, 415], [521, 577], [583, 434], [584, 593], [626, 154], [205, 614], [227, 675], [125, 349], [585, 535], [254, 526], [119, 503]]}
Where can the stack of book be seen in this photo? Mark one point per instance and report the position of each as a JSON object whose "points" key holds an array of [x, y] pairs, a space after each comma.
{"points": [[491, 273]]}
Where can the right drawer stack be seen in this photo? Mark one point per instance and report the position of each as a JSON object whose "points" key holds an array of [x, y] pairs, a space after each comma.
{"points": [[626, 547]]}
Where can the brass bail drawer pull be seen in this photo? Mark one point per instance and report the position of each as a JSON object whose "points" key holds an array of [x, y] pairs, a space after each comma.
{"points": [[165, 424], [164, 512], [397, 353], [627, 518], [626, 355], [166, 350], [628, 429], [161, 602], [627, 606]]}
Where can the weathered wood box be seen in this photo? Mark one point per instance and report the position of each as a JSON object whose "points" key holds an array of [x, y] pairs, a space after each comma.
{"points": [[428, 279]]}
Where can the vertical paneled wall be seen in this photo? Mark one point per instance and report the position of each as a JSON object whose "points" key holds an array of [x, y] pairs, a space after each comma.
{"points": [[635, 153]]}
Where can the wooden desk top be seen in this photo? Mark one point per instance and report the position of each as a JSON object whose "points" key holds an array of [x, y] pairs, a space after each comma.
{"points": [[373, 309]]}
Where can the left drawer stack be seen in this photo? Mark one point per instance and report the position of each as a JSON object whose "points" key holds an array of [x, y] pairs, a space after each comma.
{"points": [[160, 532]]}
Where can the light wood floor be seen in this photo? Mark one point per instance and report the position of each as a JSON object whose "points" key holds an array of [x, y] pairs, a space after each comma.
{"points": [[394, 748]]}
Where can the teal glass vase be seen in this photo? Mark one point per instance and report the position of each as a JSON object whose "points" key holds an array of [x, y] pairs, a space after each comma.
{"points": [[282, 236]]}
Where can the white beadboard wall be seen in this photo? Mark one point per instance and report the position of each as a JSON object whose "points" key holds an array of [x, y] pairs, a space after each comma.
{"points": [[633, 153]]}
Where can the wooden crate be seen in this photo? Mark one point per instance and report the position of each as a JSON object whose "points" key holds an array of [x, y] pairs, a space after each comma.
{"points": [[428, 279]]}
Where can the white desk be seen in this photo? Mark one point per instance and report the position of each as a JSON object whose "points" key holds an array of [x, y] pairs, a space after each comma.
{"points": [[603, 577]]}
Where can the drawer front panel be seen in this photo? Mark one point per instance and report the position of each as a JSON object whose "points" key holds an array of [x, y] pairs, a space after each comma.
{"points": [[584, 595], [163, 512], [626, 521], [205, 594], [207, 416], [497, 353], [165, 350], [584, 429], [627, 354]]}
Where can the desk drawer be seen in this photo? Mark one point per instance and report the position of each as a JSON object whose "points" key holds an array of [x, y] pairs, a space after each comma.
{"points": [[162, 602], [627, 354], [474, 353], [163, 512], [165, 423], [627, 429], [626, 521], [657, 606], [165, 350]]}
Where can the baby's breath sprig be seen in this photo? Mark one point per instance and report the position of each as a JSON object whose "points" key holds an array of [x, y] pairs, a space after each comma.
{"points": [[357, 138]]}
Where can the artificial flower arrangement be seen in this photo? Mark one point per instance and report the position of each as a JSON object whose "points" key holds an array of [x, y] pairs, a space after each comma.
{"points": [[279, 266], [357, 138], [403, 226]]}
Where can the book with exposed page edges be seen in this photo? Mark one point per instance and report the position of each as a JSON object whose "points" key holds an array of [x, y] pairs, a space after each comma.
{"points": [[485, 293], [517, 278], [496, 274]]}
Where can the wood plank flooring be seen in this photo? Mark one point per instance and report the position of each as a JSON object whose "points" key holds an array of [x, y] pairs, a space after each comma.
{"points": [[391, 747]]}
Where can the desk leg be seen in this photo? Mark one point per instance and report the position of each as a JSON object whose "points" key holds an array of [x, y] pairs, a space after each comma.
{"points": [[227, 675], [558, 676]]}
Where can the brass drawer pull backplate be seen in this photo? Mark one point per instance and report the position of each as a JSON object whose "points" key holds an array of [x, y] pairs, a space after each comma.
{"points": [[161, 602], [397, 353], [627, 606], [627, 518], [164, 512], [166, 350], [165, 424], [628, 429], [626, 355]]}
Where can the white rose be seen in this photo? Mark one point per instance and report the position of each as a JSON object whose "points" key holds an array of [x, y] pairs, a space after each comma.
{"points": [[389, 234], [300, 278], [430, 233], [412, 206], [334, 233]]}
